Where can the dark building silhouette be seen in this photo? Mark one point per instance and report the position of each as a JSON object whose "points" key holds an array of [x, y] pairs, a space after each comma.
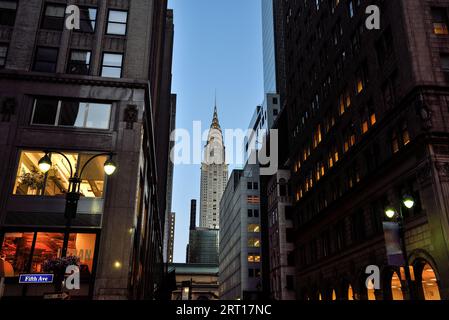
{"points": [[365, 119], [193, 214], [105, 88]]}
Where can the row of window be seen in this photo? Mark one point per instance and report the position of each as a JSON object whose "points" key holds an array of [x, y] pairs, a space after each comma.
{"points": [[399, 138], [46, 60], [352, 230], [55, 14]]}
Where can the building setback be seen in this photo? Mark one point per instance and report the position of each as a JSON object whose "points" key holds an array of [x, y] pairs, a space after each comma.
{"points": [[240, 242], [365, 116], [97, 90]]}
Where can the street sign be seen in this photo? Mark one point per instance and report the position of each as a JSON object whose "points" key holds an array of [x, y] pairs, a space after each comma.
{"points": [[56, 296], [36, 278]]}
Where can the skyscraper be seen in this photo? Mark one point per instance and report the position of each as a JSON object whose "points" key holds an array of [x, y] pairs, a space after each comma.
{"points": [[269, 65], [214, 176], [240, 242], [366, 119]]}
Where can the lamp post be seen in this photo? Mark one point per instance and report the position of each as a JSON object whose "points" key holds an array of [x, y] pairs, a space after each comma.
{"points": [[73, 192], [392, 213]]}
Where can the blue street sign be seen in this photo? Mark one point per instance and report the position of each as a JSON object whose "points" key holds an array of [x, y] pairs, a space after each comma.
{"points": [[36, 278]]}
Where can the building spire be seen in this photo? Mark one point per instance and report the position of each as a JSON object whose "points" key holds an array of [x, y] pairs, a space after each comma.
{"points": [[215, 123]]}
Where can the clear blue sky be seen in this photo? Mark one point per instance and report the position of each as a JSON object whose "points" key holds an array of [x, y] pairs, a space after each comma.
{"points": [[218, 46]]}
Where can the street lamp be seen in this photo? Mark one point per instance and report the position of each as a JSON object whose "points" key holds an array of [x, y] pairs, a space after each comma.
{"points": [[391, 213], [73, 193]]}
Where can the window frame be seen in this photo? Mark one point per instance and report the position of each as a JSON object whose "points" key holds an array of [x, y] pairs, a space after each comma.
{"points": [[108, 22], [44, 16], [35, 61], [77, 165], [58, 113], [102, 64], [73, 230], [15, 13], [81, 19], [70, 62]]}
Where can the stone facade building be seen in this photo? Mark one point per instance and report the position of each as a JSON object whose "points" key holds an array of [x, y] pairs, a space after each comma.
{"points": [[75, 94], [366, 118], [214, 175]]}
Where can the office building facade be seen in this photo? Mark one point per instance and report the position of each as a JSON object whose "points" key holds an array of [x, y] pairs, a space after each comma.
{"points": [[240, 240], [75, 94], [365, 113]]}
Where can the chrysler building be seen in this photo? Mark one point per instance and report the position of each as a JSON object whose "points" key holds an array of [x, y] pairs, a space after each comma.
{"points": [[214, 176]]}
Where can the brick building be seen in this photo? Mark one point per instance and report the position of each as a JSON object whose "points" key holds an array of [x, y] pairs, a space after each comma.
{"points": [[366, 115]]}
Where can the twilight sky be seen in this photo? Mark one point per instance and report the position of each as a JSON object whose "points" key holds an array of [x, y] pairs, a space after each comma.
{"points": [[218, 47]]}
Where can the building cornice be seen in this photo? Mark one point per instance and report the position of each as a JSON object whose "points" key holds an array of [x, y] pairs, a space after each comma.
{"points": [[62, 78]]}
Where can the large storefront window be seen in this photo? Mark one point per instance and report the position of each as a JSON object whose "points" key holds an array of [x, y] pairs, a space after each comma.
{"points": [[28, 251], [16, 250], [48, 246], [30, 181], [82, 245]]}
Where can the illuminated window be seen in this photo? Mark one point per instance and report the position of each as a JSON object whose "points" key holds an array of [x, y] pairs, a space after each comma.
{"points": [[16, 249], [373, 118], [254, 243], [350, 293], [253, 258], [19, 258], [253, 200], [48, 246], [253, 228], [30, 181], [365, 126], [342, 105], [430, 283], [396, 287], [371, 291], [405, 135], [440, 21], [82, 245]]}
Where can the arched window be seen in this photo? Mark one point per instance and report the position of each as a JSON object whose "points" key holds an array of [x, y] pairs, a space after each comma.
{"points": [[371, 291], [396, 287], [429, 283], [350, 293], [334, 295]]}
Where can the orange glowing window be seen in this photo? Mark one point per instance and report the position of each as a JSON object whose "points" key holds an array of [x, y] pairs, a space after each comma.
{"points": [[365, 127], [373, 119]]}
